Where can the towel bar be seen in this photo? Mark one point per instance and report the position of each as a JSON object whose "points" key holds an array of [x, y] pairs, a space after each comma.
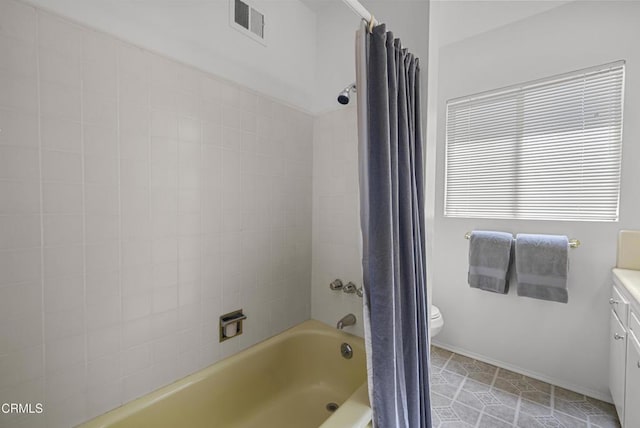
{"points": [[573, 243]]}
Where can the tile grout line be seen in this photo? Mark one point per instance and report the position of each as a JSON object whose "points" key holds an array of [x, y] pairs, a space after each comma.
{"points": [[203, 238], [177, 114], [552, 400], [84, 226], [43, 381], [152, 236], [517, 415], [119, 216], [151, 216]]}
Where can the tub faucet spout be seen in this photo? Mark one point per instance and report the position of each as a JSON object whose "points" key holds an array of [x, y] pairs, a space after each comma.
{"points": [[346, 321]]}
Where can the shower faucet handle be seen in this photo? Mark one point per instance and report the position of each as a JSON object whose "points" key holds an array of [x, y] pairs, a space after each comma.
{"points": [[336, 284], [350, 288]]}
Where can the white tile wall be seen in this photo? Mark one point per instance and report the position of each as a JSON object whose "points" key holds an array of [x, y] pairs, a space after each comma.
{"points": [[139, 200], [336, 223]]}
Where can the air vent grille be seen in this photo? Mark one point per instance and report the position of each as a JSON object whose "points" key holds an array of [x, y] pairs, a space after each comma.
{"points": [[248, 20], [241, 14], [257, 23]]}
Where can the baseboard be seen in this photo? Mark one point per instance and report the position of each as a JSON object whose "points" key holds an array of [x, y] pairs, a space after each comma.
{"points": [[567, 385]]}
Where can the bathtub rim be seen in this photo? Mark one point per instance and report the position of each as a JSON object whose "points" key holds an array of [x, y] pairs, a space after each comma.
{"points": [[131, 407]]}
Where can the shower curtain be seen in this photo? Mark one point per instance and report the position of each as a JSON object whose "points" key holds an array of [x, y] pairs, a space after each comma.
{"points": [[393, 230]]}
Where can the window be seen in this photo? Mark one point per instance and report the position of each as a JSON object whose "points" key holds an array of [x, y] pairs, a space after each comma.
{"points": [[545, 150]]}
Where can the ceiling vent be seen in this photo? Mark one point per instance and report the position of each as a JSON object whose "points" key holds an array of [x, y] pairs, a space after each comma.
{"points": [[246, 19]]}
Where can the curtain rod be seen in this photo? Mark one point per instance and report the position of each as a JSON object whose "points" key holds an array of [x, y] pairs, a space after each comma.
{"points": [[359, 9]]}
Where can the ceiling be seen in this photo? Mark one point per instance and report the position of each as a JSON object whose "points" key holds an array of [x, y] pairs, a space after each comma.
{"points": [[459, 19]]}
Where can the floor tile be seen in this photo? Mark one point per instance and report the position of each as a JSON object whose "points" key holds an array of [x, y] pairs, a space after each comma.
{"points": [[501, 411], [438, 400], [465, 414], [505, 398], [567, 421], [487, 421], [557, 420], [468, 393], [604, 407], [446, 414], [538, 397], [456, 424], [469, 399], [467, 366], [439, 356], [529, 421], [577, 409], [435, 420], [473, 385], [483, 377], [446, 383], [566, 394], [534, 409], [604, 421]]}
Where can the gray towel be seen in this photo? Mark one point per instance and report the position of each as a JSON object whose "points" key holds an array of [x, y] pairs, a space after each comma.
{"points": [[542, 266], [489, 255]]}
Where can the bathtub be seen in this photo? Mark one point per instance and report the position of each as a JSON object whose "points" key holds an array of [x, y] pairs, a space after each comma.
{"points": [[285, 381]]}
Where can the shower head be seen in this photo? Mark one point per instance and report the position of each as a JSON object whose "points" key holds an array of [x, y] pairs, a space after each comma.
{"points": [[343, 96]]}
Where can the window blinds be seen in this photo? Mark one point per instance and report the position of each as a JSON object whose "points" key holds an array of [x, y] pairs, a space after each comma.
{"points": [[544, 150]]}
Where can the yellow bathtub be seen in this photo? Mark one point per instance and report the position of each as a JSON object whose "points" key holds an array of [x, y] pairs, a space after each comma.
{"points": [[285, 381]]}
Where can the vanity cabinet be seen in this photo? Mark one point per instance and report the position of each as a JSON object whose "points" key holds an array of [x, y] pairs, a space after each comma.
{"points": [[618, 348], [624, 346], [617, 362], [632, 393]]}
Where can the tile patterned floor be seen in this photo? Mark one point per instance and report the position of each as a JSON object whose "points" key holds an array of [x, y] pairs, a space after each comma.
{"points": [[467, 393]]}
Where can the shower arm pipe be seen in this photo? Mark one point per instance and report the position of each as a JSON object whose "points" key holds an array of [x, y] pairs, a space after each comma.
{"points": [[360, 10]]}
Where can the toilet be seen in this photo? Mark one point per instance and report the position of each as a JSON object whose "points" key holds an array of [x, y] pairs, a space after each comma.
{"points": [[437, 321]]}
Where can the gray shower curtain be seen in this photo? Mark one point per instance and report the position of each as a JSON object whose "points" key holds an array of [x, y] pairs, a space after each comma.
{"points": [[393, 230]]}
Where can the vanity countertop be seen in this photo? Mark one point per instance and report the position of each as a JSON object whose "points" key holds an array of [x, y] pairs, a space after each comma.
{"points": [[630, 280]]}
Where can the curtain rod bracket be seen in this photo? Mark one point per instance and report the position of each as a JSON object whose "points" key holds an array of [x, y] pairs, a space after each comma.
{"points": [[372, 23]]}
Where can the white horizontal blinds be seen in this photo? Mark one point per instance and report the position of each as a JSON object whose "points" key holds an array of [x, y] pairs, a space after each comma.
{"points": [[547, 150]]}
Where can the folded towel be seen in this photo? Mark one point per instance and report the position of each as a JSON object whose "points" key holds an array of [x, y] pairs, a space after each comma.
{"points": [[542, 266], [489, 255]]}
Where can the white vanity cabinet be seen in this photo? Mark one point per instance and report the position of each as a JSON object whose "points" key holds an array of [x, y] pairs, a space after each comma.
{"points": [[632, 390], [617, 362], [618, 348], [624, 346]]}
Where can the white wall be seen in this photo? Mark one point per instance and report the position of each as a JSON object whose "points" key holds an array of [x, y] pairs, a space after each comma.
{"points": [[198, 33], [336, 221], [335, 48], [140, 199], [565, 344]]}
